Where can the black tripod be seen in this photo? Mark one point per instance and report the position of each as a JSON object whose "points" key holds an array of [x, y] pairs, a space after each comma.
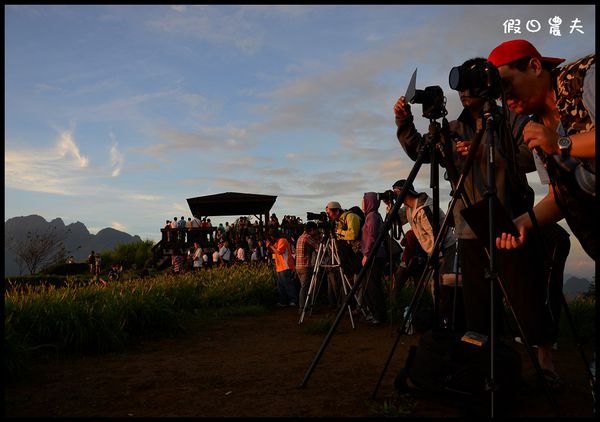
{"points": [[327, 248], [491, 273]]}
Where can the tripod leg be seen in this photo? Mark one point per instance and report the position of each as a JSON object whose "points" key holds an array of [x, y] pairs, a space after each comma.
{"points": [[313, 277]]}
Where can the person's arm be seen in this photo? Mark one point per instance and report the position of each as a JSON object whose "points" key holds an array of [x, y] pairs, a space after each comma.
{"points": [[537, 135], [425, 230], [312, 242], [525, 160], [407, 133], [546, 212]]}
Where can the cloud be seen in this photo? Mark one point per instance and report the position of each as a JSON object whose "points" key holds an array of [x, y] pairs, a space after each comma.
{"points": [[211, 139], [67, 146], [56, 170], [118, 226], [146, 197], [116, 158], [213, 25]]}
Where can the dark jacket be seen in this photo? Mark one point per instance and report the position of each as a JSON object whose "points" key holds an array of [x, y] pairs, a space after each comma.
{"points": [[372, 226]]}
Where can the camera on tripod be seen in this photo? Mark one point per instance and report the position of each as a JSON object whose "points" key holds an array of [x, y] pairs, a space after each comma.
{"points": [[480, 78], [388, 195], [432, 98], [321, 219]]}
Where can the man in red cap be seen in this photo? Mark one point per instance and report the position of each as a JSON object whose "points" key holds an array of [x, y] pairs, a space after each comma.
{"points": [[562, 102]]}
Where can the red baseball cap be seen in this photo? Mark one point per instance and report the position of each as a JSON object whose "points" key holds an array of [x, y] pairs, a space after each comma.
{"points": [[510, 51]]}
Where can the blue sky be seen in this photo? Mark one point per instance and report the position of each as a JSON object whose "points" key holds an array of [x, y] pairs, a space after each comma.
{"points": [[115, 115]]}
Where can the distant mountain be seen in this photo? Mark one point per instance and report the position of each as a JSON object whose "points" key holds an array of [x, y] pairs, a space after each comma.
{"points": [[574, 286], [78, 241]]}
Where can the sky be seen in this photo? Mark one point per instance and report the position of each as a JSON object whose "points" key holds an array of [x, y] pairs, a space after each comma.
{"points": [[115, 115]]}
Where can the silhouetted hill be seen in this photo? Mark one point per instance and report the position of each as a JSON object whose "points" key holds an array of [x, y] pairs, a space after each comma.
{"points": [[78, 240], [574, 286]]}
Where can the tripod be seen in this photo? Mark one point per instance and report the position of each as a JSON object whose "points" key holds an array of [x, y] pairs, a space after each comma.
{"points": [[326, 246]]}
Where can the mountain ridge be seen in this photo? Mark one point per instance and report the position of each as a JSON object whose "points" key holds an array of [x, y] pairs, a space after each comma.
{"points": [[78, 240]]}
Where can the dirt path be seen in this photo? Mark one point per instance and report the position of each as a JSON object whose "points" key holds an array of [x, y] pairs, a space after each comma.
{"points": [[252, 366]]}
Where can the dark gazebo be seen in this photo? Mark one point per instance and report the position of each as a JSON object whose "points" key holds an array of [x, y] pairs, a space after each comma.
{"points": [[232, 203]]}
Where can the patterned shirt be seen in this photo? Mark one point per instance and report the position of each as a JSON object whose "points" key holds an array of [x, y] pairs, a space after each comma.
{"points": [[304, 247]]}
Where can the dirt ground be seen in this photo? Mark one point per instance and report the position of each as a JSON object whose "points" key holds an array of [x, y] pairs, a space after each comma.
{"points": [[252, 366]]}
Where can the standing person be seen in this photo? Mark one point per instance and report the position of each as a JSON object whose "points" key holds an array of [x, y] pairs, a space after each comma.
{"points": [[98, 263], [92, 262], [284, 265], [167, 231], [347, 232], [307, 244], [522, 273], [562, 101], [216, 258], [372, 287], [181, 228], [178, 261], [197, 257], [225, 254], [418, 212], [240, 254]]}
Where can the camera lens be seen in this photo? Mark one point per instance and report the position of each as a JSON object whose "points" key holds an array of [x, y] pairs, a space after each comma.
{"points": [[454, 78]]}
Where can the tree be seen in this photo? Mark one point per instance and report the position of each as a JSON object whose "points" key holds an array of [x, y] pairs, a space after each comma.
{"points": [[37, 250]]}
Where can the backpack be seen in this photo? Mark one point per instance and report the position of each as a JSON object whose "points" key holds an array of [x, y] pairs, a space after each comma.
{"points": [[443, 366], [361, 215]]}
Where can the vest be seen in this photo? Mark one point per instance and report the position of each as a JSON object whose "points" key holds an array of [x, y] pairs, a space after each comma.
{"points": [[576, 206], [569, 91]]}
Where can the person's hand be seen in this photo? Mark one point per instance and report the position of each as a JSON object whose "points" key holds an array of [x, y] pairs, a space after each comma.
{"points": [[538, 135], [364, 260], [508, 241], [463, 147], [402, 108]]}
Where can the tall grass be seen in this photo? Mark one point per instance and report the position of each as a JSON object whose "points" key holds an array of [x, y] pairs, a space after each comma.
{"points": [[49, 321]]}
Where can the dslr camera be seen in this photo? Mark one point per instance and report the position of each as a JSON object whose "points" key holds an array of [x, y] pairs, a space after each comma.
{"points": [[321, 219], [480, 78], [388, 195]]}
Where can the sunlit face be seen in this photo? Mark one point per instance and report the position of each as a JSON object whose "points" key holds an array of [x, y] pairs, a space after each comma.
{"points": [[332, 214], [522, 89]]}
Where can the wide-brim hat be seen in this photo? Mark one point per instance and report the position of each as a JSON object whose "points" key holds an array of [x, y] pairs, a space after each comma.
{"points": [[510, 51]]}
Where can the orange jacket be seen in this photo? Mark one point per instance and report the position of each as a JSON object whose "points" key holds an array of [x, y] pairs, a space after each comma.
{"points": [[283, 255]]}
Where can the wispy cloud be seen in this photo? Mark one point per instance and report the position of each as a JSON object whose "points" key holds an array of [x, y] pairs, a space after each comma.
{"points": [[116, 158], [54, 170], [213, 25]]}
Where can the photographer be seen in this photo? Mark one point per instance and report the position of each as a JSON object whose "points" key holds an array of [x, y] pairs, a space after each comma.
{"points": [[347, 233], [372, 286], [562, 100], [418, 212], [307, 243], [522, 272]]}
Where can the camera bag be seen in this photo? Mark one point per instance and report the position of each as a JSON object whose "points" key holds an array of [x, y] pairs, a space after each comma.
{"points": [[444, 367]]}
